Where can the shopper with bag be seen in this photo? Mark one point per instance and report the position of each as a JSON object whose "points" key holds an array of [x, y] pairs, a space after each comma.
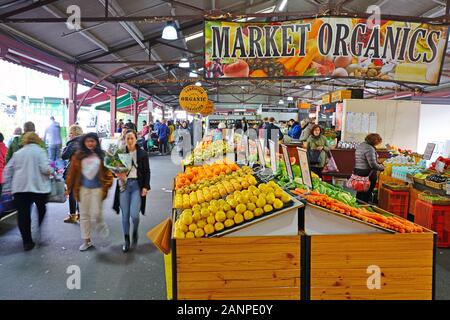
{"points": [[136, 182], [72, 146], [317, 146], [3, 152], [89, 181], [28, 174], [366, 167]]}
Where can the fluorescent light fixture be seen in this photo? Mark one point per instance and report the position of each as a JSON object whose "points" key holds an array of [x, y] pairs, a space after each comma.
{"points": [[240, 110], [290, 99], [193, 75], [169, 32], [308, 87], [184, 63], [194, 36], [281, 101], [282, 5], [201, 69], [198, 84]]}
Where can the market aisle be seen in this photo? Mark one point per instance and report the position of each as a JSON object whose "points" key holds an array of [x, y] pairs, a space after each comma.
{"points": [[106, 272]]}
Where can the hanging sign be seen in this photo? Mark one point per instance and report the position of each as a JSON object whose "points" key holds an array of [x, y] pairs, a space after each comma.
{"points": [[261, 153], [287, 162], [304, 167], [331, 47], [273, 155], [193, 99]]}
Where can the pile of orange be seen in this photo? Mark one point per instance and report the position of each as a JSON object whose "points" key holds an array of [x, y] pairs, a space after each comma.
{"points": [[196, 174]]}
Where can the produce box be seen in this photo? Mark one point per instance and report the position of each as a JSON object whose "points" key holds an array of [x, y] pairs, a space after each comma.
{"points": [[435, 185], [437, 218], [394, 201], [434, 199], [395, 187], [413, 196]]}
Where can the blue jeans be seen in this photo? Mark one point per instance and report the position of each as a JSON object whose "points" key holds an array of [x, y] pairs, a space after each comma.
{"points": [[54, 151], [130, 205]]}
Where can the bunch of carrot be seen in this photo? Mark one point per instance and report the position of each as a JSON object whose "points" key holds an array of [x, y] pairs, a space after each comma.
{"points": [[392, 223]]}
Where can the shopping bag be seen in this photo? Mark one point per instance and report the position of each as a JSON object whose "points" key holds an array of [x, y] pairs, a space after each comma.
{"points": [[331, 165], [160, 235], [358, 183], [57, 191], [7, 202]]}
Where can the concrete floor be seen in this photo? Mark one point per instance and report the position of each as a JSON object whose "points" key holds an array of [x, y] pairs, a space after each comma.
{"points": [[106, 272]]}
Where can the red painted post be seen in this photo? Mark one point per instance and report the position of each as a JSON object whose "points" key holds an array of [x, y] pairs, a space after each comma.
{"points": [[150, 106], [135, 109], [72, 101], [113, 111]]}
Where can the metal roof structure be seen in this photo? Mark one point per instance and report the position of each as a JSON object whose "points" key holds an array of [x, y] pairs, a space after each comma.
{"points": [[120, 40]]}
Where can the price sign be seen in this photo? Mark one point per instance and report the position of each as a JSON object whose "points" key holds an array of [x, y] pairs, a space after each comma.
{"points": [[273, 156], [304, 167], [260, 146], [287, 162], [440, 166], [429, 151], [246, 146]]}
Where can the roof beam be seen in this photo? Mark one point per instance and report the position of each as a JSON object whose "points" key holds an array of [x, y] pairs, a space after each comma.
{"points": [[27, 8]]}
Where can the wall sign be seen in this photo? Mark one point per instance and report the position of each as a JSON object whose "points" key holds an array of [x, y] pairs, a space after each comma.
{"points": [[193, 99], [429, 151], [326, 47], [304, 167], [287, 162]]}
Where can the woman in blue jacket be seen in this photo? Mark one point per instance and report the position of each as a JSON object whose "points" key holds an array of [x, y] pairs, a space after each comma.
{"points": [[295, 130]]}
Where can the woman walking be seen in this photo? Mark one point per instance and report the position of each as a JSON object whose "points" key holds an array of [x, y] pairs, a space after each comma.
{"points": [[132, 199], [28, 172], [136, 183], [317, 145], [3, 152], [366, 163], [89, 181], [72, 146]]}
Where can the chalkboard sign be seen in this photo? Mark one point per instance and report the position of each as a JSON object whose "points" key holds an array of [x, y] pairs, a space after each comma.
{"points": [[287, 162], [429, 151], [304, 167], [273, 155]]}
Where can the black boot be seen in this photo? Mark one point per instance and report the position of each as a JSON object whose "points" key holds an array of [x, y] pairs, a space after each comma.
{"points": [[126, 245], [135, 238]]}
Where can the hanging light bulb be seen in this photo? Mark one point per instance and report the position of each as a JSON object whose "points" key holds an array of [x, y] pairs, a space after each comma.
{"points": [[198, 84], [169, 32], [193, 74], [290, 99], [184, 63], [281, 101]]}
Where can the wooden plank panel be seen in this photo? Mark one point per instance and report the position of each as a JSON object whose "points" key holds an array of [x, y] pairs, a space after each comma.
{"points": [[241, 275], [422, 295], [388, 272], [242, 265], [239, 257], [239, 294], [227, 241], [247, 284], [354, 264], [386, 283], [372, 255], [230, 249], [367, 239]]}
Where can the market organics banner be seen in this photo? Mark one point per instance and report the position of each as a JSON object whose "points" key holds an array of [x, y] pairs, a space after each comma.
{"points": [[326, 47]]}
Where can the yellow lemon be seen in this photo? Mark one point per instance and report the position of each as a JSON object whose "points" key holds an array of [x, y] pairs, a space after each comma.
{"points": [[237, 193], [184, 228], [213, 209], [285, 197], [252, 188], [278, 193], [221, 202], [252, 181], [211, 219], [237, 186], [233, 203], [238, 218], [231, 214], [186, 219], [213, 203], [272, 184], [226, 207], [205, 212], [278, 204], [262, 187], [229, 223], [248, 215], [261, 202], [242, 199], [253, 199], [208, 197], [268, 208], [219, 226], [241, 208], [229, 197], [256, 192], [187, 212], [201, 223], [192, 227], [190, 235], [205, 205], [258, 212], [270, 190], [220, 216], [209, 228], [216, 195], [246, 193], [251, 206], [199, 233], [179, 234], [270, 198], [197, 216], [197, 207]]}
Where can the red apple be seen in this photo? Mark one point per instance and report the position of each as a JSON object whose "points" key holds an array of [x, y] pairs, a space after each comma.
{"points": [[237, 69]]}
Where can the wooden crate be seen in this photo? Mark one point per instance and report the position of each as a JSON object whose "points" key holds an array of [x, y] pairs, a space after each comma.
{"points": [[339, 266], [238, 268], [413, 196]]}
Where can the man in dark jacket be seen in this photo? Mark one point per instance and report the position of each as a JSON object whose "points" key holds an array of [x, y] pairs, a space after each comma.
{"points": [[272, 128], [163, 136]]}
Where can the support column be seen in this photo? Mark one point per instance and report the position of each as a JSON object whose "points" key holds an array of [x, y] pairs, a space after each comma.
{"points": [[113, 111], [136, 109], [150, 111], [72, 102], [162, 113]]}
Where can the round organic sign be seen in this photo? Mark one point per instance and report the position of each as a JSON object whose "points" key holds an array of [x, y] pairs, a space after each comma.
{"points": [[193, 99]]}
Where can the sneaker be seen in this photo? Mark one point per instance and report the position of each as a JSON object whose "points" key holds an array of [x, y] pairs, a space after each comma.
{"points": [[72, 218], [85, 246], [103, 230]]}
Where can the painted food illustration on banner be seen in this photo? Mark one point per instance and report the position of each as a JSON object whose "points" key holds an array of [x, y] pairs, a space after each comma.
{"points": [[325, 47]]}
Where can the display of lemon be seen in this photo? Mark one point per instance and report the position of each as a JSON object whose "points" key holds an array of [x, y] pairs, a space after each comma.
{"points": [[268, 208], [243, 199], [201, 223], [205, 205], [220, 216], [199, 233], [205, 212], [241, 208], [246, 193], [226, 207], [278, 204], [209, 228], [219, 226], [190, 235], [233, 203], [262, 187], [187, 212], [213, 203], [248, 215], [196, 216], [252, 181], [211, 219], [251, 206], [221, 202], [184, 227], [208, 197], [237, 186], [253, 199], [261, 202], [269, 190], [229, 223], [229, 197], [256, 192], [231, 214], [197, 207], [279, 192], [179, 234], [238, 218], [285, 197], [186, 219], [237, 193], [192, 227], [213, 209], [258, 212], [270, 198]]}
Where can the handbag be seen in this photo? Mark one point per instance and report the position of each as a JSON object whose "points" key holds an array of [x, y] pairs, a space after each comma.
{"points": [[358, 183], [57, 191], [314, 156], [6, 203], [331, 164]]}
